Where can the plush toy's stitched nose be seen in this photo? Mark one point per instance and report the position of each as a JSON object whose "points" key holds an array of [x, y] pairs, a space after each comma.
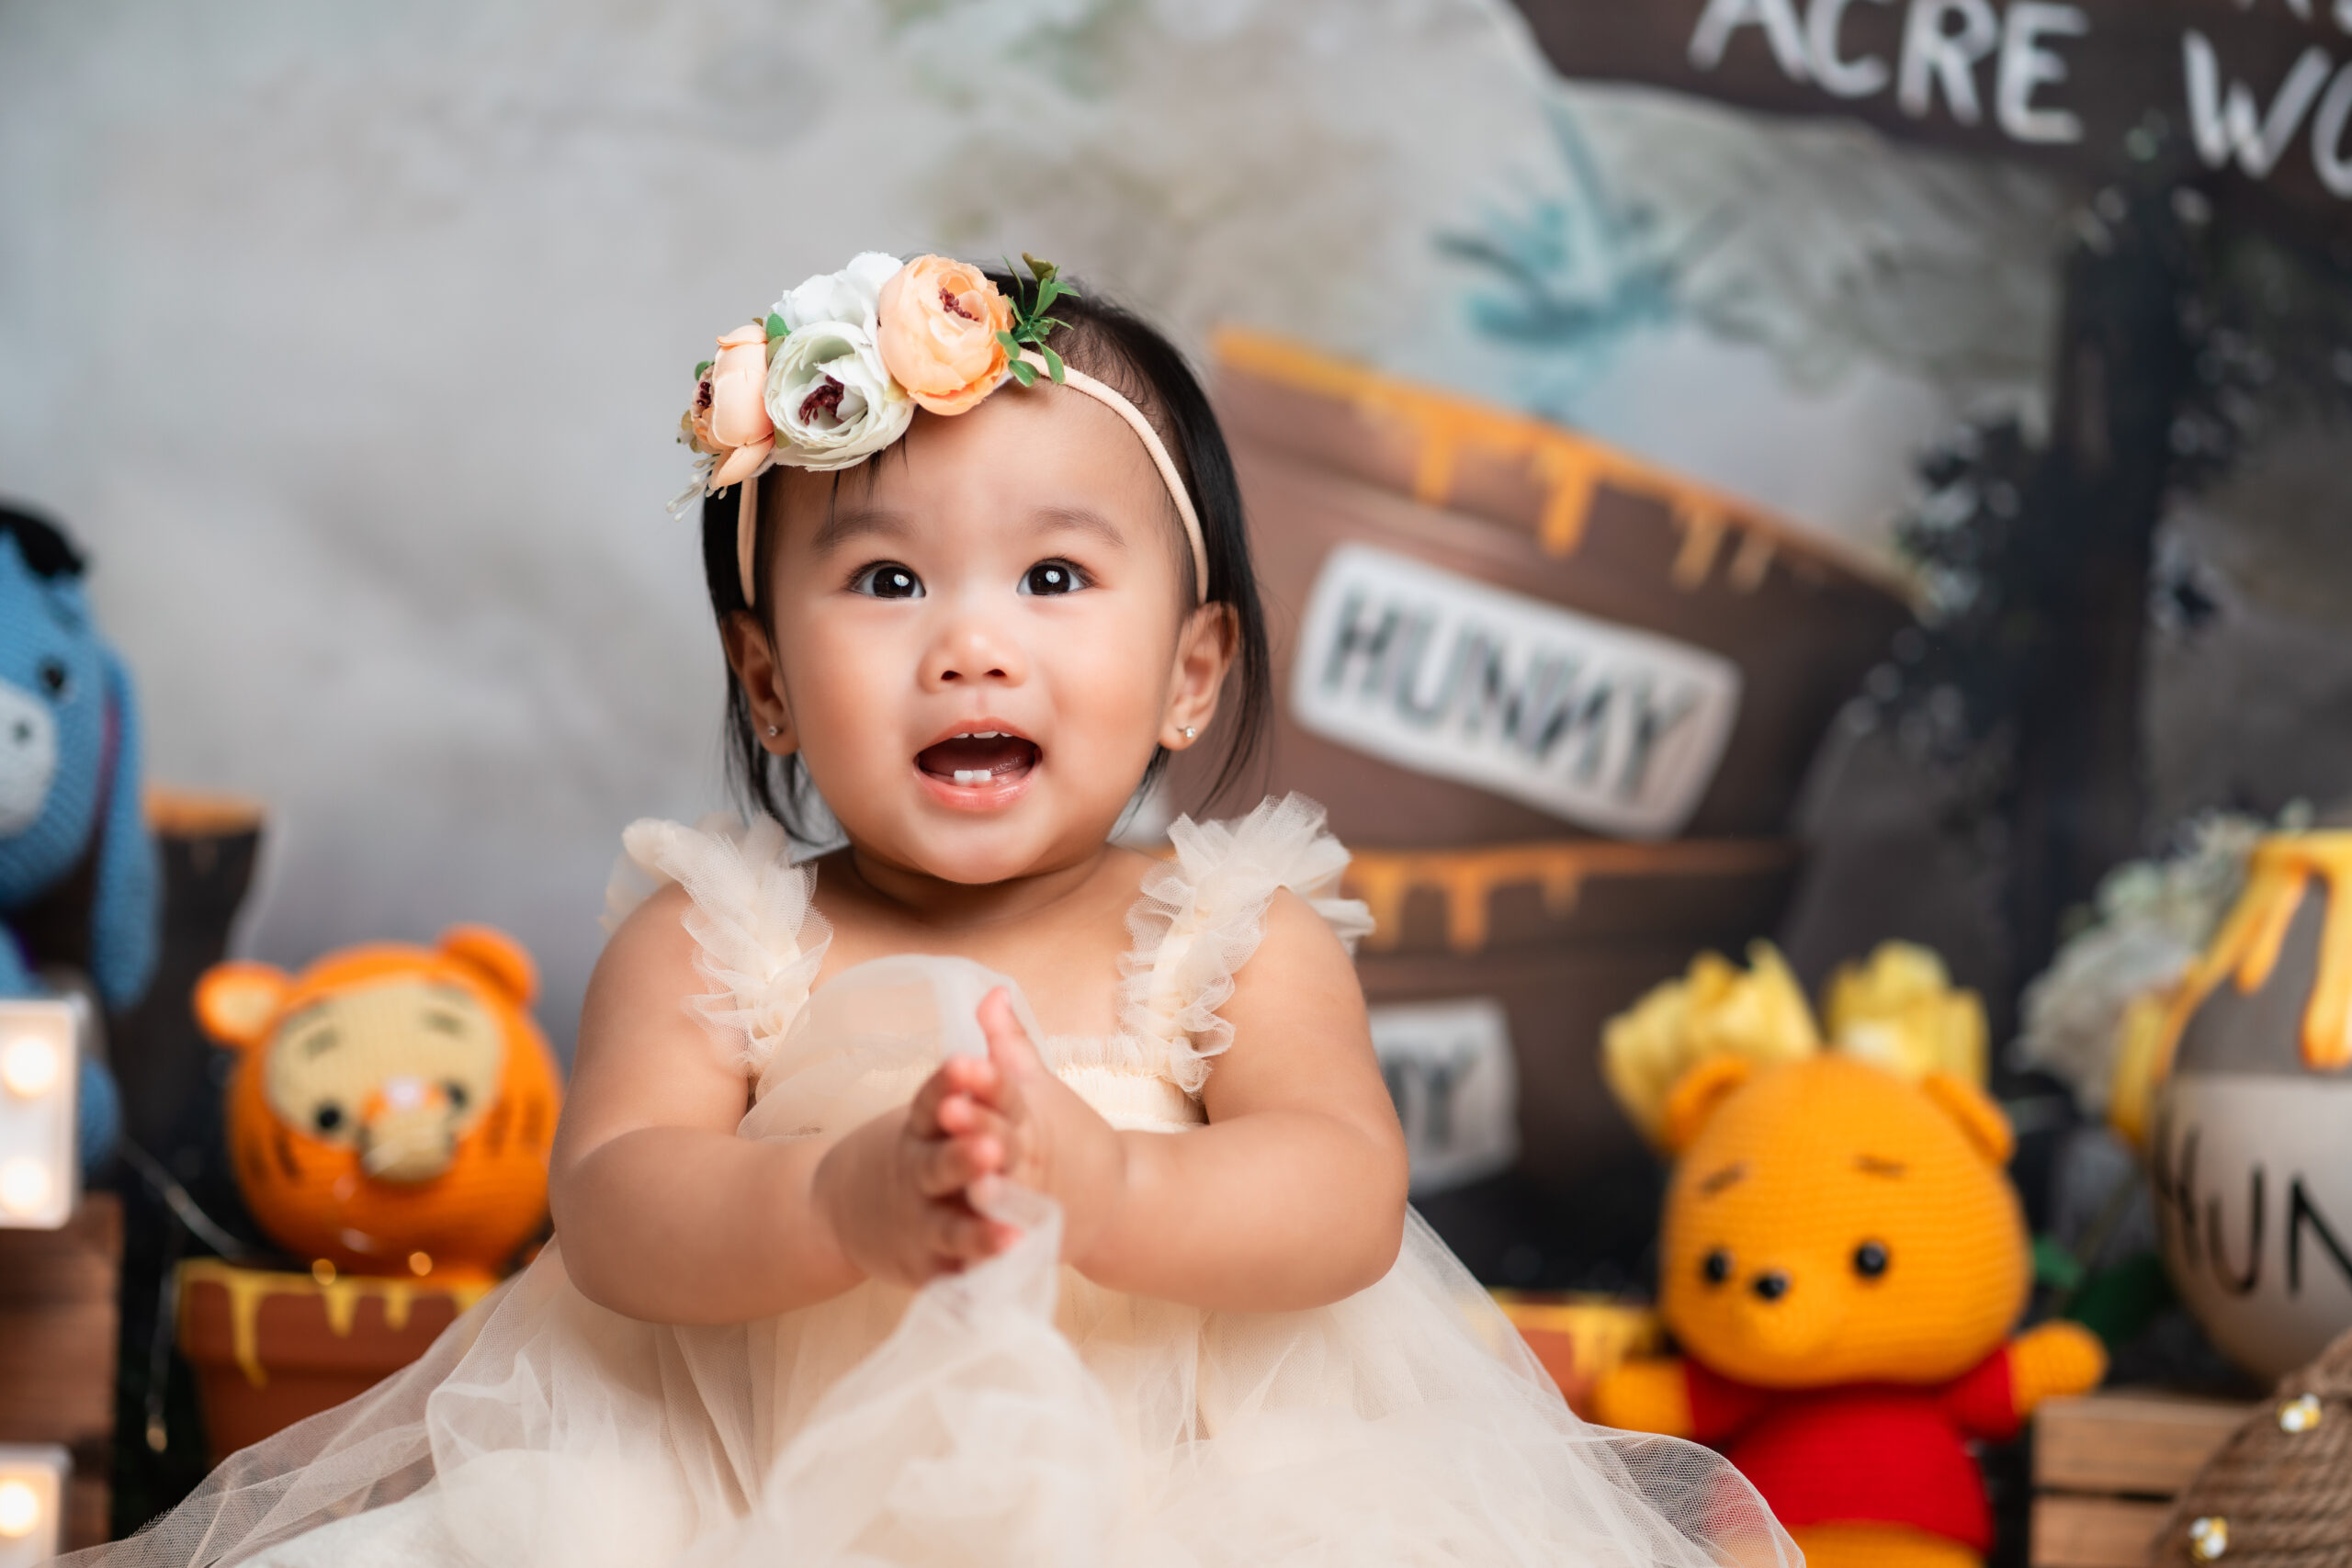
{"points": [[1770, 1285], [405, 1133]]}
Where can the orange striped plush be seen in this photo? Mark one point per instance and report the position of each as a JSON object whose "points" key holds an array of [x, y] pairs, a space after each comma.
{"points": [[392, 1106]]}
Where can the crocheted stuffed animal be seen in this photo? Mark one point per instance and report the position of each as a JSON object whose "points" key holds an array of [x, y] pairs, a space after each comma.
{"points": [[392, 1106], [1842, 1262], [78, 884]]}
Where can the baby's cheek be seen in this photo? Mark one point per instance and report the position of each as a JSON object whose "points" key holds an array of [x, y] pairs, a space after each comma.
{"points": [[1110, 689], [848, 698]]}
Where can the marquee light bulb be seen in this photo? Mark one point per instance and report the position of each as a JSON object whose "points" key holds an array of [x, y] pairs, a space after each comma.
{"points": [[19, 1509], [24, 1186], [30, 1067]]}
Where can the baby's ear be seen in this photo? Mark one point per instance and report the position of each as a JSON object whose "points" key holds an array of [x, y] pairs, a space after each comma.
{"points": [[237, 1002], [1699, 1094], [495, 958], [1980, 1119]]}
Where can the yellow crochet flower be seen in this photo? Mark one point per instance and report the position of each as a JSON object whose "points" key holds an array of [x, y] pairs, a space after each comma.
{"points": [[1900, 1012], [1715, 1009]]}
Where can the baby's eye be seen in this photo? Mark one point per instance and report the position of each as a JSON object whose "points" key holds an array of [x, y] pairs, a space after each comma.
{"points": [[1052, 576], [887, 580]]}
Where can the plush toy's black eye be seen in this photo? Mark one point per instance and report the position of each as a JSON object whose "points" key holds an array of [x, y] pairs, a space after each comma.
{"points": [[55, 679], [327, 1117], [1871, 1259], [457, 1093], [1716, 1268]]}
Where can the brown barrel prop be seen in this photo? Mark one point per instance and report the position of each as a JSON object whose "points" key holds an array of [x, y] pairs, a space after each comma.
{"points": [[1507, 542], [1563, 933], [1330, 453]]}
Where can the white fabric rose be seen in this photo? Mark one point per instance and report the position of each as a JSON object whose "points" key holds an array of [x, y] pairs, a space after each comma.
{"points": [[833, 402], [848, 297]]}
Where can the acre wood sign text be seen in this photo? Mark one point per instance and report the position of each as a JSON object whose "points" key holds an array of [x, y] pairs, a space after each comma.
{"points": [[2261, 90]]}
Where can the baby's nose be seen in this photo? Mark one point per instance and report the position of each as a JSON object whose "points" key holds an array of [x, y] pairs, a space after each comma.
{"points": [[1770, 1285], [973, 651]]}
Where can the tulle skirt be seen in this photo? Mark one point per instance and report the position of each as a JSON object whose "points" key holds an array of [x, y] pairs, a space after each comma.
{"points": [[1015, 1415]]}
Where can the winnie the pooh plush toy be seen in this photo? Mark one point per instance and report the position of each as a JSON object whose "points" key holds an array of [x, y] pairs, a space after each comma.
{"points": [[1842, 1258], [392, 1106]]}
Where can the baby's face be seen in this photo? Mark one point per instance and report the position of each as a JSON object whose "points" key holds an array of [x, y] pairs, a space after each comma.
{"points": [[980, 641]]}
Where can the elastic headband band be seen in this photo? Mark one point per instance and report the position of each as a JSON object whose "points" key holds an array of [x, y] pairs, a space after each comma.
{"points": [[747, 514]]}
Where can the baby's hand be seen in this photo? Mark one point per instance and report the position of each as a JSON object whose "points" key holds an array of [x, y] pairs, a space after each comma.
{"points": [[894, 1191], [899, 1197], [1051, 1141]]}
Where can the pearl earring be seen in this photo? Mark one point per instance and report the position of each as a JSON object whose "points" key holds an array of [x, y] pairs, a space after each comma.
{"points": [[1188, 732], [773, 730]]}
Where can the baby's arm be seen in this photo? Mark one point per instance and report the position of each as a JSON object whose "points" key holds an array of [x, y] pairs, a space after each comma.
{"points": [[665, 1214], [1293, 1195]]}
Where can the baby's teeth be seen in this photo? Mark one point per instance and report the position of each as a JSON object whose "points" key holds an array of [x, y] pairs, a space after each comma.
{"points": [[971, 775]]}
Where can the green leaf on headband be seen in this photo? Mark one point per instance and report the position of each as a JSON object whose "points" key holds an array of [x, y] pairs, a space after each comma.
{"points": [[703, 369], [1053, 362], [1023, 372], [776, 328], [1047, 292], [1043, 271], [1012, 344]]}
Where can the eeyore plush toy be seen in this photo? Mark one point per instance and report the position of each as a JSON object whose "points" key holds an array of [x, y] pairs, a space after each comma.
{"points": [[78, 884]]}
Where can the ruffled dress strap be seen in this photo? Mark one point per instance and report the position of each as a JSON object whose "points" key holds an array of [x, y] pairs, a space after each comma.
{"points": [[760, 939], [1202, 914]]}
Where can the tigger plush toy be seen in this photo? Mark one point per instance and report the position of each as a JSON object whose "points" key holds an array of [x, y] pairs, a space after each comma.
{"points": [[392, 1106]]}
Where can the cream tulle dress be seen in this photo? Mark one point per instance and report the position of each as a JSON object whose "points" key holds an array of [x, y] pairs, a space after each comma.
{"points": [[1016, 1415]]}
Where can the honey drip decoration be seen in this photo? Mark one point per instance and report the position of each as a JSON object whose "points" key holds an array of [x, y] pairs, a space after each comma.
{"points": [[1570, 469], [340, 1297], [1467, 880], [2246, 950]]}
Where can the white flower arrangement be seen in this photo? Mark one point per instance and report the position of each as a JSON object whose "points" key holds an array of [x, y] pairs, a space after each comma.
{"points": [[2153, 916]]}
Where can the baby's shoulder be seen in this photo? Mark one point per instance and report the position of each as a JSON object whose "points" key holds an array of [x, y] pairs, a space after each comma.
{"points": [[1297, 943], [655, 923], [647, 963]]}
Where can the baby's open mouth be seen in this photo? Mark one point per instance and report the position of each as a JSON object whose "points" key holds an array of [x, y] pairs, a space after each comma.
{"points": [[978, 757]]}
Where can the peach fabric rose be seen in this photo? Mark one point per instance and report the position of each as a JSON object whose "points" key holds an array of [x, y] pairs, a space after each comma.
{"points": [[730, 414], [938, 325]]}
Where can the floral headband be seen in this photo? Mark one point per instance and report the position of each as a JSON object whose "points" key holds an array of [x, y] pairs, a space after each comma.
{"points": [[837, 370]]}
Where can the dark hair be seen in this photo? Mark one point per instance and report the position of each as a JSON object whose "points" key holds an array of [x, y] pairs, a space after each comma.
{"points": [[47, 553], [1117, 346]]}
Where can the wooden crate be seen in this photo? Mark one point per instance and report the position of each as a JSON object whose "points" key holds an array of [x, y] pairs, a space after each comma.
{"points": [[2105, 1467], [58, 1328]]}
